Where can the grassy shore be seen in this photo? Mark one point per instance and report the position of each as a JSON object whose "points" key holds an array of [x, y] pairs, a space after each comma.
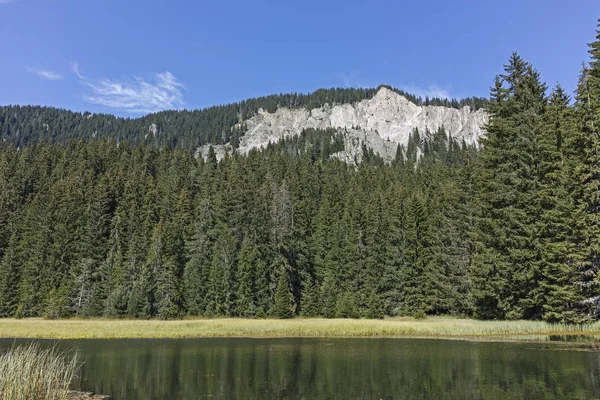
{"points": [[272, 328]]}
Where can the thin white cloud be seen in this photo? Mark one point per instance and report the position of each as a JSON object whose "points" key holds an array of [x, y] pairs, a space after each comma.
{"points": [[5, 1], [134, 95], [75, 67], [44, 73], [430, 91], [350, 79]]}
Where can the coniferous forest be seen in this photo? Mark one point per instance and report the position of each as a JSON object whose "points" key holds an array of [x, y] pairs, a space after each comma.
{"points": [[102, 226], [23, 125]]}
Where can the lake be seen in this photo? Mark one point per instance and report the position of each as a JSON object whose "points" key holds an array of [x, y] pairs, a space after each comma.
{"points": [[333, 369]]}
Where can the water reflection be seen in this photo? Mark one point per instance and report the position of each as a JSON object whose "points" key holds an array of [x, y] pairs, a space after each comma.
{"points": [[334, 369]]}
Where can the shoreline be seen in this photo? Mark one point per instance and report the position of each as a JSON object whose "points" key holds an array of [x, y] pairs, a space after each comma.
{"points": [[430, 328], [79, 395]]}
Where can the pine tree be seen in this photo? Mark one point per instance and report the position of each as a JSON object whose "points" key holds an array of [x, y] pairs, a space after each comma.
{"points": [[507, 271], [418, 271], [559, 294], [378, 235], [586, 251], [35, 281], [246, 291], [451, 245], [83, 291], [199, 250], [310, 305], [395, 255], [167, 291], [9, 278], [8, 197], [346, 306], [264, 287], [92, 248], [112, 288], [221, 280], [284, 305], [57, 303]]}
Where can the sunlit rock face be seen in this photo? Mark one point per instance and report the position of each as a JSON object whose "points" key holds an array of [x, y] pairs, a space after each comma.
{"points": [[381, 123]]}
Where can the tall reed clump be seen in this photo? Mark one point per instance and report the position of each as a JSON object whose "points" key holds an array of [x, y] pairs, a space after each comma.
{"points": [[32, 373]]}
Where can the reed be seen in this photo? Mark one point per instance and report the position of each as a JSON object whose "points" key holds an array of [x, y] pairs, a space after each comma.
{"points": [[32, 373]]}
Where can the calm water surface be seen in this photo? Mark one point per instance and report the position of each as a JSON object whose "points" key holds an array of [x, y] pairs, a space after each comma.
{"points": [[333, 369]]}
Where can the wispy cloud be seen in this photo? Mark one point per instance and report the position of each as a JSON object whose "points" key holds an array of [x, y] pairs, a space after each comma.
{"points": [[430, 91], [163, 92], [350, 79], [5, 1], [44, 73]]}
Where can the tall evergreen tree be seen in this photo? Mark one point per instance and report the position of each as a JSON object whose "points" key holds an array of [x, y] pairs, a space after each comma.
{"points": [[10, 275], [199, 250], [586, 252], [246, 286], [507, 270], [554, 226], [284, 305]]}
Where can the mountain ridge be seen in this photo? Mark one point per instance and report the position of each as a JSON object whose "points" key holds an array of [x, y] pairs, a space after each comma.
{"points": [[382, 124], [243, 123]]}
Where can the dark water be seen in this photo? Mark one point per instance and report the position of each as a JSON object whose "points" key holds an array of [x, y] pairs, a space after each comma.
{"points": [[333, 369]]}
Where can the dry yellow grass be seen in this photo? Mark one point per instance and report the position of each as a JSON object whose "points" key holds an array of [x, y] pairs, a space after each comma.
{"points": [[32, 373], [270, 328]]}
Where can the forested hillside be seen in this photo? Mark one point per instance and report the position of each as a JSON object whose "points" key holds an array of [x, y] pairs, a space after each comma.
{"points": [[99, 229], [23, 125], [509, 231]]}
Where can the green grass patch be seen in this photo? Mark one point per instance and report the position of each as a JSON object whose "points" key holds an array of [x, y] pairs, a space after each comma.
{"points": [[272, 328]]}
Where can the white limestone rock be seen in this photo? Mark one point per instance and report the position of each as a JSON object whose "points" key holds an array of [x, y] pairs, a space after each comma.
{"points": [[153, 129], [382, 123]]}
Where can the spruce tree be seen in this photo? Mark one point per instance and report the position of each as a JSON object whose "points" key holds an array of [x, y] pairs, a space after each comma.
{"points": [[284, 305], [83, 291], [418, 271], [9, 278], [585, 252], [221, 281], [246, 290], [557, 289], [310, 305], [507, 269], [35, 280], [112, 287], [199, 251]]}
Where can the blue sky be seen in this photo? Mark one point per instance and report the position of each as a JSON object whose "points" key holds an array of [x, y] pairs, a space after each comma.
{"points": [[133, 56]]}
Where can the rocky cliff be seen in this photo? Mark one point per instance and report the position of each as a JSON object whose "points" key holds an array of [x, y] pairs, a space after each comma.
{"points": [[381, 123]]}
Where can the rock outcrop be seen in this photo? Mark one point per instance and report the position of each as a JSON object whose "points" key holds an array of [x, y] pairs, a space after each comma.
{"points": [[75, 395], [381, 123]]}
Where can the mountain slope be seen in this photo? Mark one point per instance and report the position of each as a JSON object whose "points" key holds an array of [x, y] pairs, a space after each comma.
{"points": [[381, 123], [376, 119]]}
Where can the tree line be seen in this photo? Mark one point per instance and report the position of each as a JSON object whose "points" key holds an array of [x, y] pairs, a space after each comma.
{"points": [[22, 125], [506, 231]]}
